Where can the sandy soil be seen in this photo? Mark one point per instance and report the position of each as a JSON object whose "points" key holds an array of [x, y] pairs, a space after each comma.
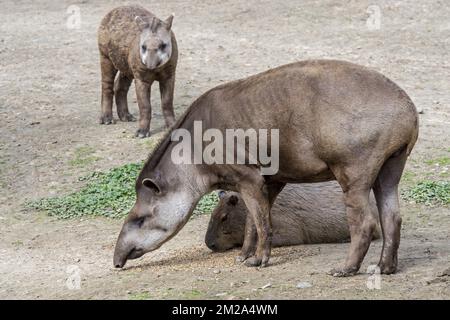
{"points": [[49, 105]]}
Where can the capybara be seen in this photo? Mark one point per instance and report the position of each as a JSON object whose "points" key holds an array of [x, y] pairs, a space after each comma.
{"points": [[327, 119], [302, 214], [136, 45]]}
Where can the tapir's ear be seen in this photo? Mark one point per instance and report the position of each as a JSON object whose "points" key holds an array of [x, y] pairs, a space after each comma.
{"points": [[152, 185], [221, 194], [168, 21], [233, 200], [141, 23]]}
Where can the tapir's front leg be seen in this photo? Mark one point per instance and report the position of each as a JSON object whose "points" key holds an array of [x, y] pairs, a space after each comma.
{"points": [[250, 240], [256, 198], [250, 235], [145, 109], [166, 87]]}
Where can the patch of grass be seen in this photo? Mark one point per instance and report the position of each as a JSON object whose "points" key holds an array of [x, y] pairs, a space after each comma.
{"points": [[140, 296], [153, 141], [207, 203], [444, 174], [17, 243], [109, 194], [83, 156], [442, 161], [429, 193], [192, 294], [408, 176]]}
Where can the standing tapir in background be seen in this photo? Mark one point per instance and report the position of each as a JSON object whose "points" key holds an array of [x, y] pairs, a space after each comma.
{"points": [[302, 214], [336, 120], [134, 42]]}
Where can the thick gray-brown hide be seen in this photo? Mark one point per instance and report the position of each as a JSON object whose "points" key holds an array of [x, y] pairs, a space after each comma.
{"points": [[136, 45], [302, 214], [336, 120]]}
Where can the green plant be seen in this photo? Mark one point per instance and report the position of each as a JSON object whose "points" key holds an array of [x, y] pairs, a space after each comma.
{"points": [[192, 294], [110, 194], [140, 296], [442, 161], [83, 156], [207, 203], [429, 192], [408, 176]]}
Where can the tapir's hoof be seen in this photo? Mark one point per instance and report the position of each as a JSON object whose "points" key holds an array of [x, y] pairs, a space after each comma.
{"points": [[387, 269], [106, 119], [142, 133], [240, 259], [254, 261], [342, 272], [128, 117]]}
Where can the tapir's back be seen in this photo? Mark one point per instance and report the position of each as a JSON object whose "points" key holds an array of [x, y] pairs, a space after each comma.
{"points": [[308, 90], [326, 110]]}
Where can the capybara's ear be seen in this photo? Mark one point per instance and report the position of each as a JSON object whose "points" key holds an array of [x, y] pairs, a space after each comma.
{"points": [[168, 22], [233, 200], [141, 23]]}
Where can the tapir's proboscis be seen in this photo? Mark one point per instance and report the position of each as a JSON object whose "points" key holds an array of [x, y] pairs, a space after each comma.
{"points": [[336, 120]]}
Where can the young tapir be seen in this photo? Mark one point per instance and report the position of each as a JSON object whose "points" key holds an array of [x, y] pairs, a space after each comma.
{"points": [[336, 120], [302, 214], [137, 45]]}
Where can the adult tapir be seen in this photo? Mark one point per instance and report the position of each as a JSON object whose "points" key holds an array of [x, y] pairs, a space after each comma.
{"points": [[336, 120]]}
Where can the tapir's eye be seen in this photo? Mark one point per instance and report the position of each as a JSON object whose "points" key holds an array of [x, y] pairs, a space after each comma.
{"points": [[150, 184], [224, 218], [163, 46], [221, 194], [140, 222], [144, 47]]}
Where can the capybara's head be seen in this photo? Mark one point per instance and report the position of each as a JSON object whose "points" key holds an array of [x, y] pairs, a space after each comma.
{"points": [[227, 224], [165, 199], [155, 44]]}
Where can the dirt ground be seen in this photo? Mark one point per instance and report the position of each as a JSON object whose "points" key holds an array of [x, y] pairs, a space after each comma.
{"points": [[50, 103]]}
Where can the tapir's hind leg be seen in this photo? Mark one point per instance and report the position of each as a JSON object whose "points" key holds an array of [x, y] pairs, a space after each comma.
{"points": [[108, 72], [386, 193], [121, 87], [362, 223]]}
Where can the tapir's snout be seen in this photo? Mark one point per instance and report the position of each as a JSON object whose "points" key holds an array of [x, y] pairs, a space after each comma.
{"points": [[125, 251], [133, 242], [119, 263], [121, 257]]}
